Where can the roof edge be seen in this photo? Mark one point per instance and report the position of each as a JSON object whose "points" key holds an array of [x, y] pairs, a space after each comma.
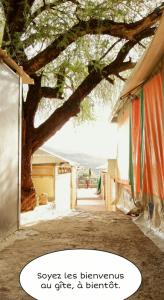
{"points": [[14, 66], [136, 80], [73, 163]]}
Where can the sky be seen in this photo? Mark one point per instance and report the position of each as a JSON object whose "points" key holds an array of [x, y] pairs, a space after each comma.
{"points": [[96, 138]]}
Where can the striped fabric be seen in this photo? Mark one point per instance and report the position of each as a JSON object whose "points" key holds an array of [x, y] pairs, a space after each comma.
{"points": [[146, 155]]}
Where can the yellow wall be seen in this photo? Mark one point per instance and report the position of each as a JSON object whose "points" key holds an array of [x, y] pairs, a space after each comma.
{"points": [[47, 179], [73, 188], [111, 185], [103, 184], [44, 180], [44, 184]]}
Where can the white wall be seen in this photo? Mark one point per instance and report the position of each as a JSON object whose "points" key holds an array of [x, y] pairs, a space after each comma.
{"points": [[63, 192], [123, 144], [9, 150]]}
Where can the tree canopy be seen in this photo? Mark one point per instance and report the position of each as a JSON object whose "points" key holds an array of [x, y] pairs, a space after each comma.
{"points": [[71, 47], [65, 41]]}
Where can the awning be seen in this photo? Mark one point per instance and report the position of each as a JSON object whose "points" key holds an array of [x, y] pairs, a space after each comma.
{"points": [[148, 62]]}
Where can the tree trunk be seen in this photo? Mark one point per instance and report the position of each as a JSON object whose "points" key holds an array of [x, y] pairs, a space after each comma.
{"points": [[28, 195]]}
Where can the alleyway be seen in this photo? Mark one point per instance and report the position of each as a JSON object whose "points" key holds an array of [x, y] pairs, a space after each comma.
{"points": [[87, 199], [112, 232]]}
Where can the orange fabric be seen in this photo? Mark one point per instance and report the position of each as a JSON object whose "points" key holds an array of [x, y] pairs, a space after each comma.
{"points": [[153, 181], [136, 144]]}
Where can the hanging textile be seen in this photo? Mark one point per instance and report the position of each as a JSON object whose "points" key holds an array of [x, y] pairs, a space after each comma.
{"points": [[99, 185], [146, 160], [131, 175], [136, 146], [153, 181]]}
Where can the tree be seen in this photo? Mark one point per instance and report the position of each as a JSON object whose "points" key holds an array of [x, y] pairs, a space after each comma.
{"points": [[69, 48]]}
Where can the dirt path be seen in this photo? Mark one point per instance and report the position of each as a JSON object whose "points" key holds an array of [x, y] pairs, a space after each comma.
{"points": [[113, 232]]}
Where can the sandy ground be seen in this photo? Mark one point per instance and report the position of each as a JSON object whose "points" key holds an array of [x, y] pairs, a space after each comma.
{"points": [[93, 228]]}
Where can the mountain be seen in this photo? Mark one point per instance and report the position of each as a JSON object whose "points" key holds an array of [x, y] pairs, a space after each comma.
{"points": [[82, 159]]}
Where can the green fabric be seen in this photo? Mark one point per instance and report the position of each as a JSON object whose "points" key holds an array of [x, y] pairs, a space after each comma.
{"points": [[131, 175], [99, 185]]}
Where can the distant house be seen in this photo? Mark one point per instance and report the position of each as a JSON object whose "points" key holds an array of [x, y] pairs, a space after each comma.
{"points": [[137, 174], [12, 78], [87, 178], [54, 177]]}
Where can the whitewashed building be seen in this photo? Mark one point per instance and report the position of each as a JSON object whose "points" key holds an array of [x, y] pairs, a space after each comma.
{"points": [[12, 78]]}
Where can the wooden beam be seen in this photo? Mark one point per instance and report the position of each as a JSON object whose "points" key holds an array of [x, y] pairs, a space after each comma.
{"points": [[15, 67]]}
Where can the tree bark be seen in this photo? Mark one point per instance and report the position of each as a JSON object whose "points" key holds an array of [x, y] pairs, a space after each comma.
{"points": [[28, 194]]}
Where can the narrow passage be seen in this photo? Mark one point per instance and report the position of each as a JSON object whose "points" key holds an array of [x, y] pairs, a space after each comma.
{"points": [[89, 229], [87, 199]]}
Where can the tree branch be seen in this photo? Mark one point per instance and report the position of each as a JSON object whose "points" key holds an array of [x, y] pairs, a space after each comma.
{"points": [[15, 13], [130, 44], [93, 26], [33, 98], [111, 81], [37, 92], [110, 48], [72, 106], [50, 6], [56, 92], [120, 77], [51, 93]]}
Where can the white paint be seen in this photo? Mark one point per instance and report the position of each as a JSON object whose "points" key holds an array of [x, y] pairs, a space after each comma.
{"points": [[155, 234], [63, 192], [9, 150], [43, 213], [87, 193]]}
